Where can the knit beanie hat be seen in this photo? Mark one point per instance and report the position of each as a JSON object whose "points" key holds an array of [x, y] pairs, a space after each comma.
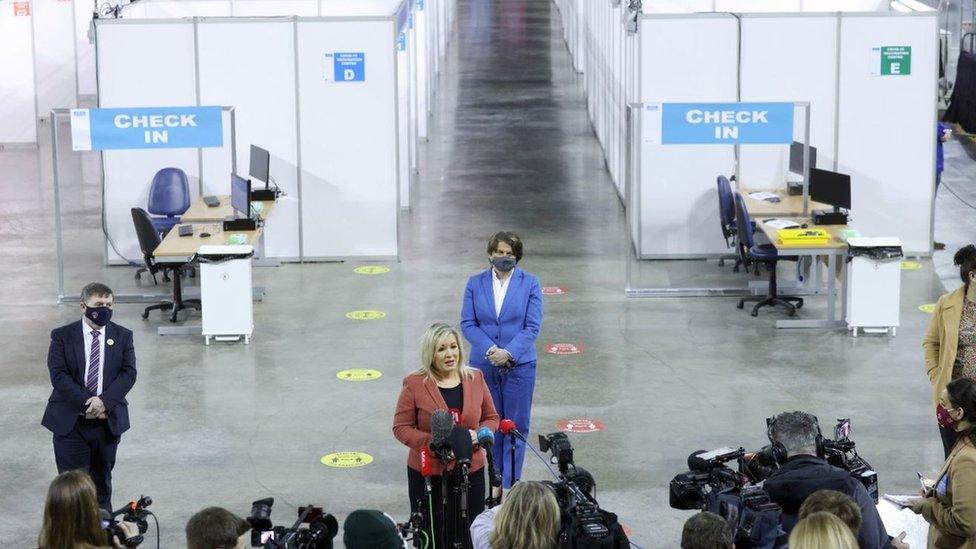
{"points": [[369, 529]]}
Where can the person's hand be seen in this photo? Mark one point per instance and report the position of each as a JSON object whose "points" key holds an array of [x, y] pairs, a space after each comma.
{"points": [[130, 529], [103, 415], [946, 135], [899, 542], [95, 407], [499, 357], [927, 486], [474, 437]]}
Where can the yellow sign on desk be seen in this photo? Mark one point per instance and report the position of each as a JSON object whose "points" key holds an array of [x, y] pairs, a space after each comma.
{"points": [[803, 236]]}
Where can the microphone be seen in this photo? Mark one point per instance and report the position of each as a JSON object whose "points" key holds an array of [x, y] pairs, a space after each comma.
{"points": [[441, 424], [461, 445], [426, 467], [695, 463], [486, 439], [507, 427]]}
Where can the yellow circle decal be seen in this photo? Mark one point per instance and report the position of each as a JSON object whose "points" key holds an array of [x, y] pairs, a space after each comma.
{"points": [[359, 374], [371, 270], [927, 308], [910, 265], [347, 460], [365, 315]]}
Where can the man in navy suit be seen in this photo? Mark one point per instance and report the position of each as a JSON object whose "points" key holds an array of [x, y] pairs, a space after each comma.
{"points": [[92, 364], [501, 316]]}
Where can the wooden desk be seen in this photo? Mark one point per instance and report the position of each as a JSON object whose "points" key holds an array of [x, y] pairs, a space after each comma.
{"points": [[199, 212], [179, 249], [835, 252], [788, 206]]}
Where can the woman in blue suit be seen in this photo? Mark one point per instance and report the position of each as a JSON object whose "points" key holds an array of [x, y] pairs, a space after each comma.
{"points": [[501, 316]]}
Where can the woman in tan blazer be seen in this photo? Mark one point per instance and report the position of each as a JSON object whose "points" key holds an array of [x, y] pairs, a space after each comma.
{"points": [[443, 382], [950, 342], [949, 504]]}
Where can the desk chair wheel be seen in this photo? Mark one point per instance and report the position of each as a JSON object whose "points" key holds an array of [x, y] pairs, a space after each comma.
{"points": [[741, 304]]}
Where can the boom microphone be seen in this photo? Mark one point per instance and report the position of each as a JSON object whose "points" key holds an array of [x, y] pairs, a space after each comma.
{"points": [[486, 438], [426, 469], [441, 424], [507, 427], [461, 445]]}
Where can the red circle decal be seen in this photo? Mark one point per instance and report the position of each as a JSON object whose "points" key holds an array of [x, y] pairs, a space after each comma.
{"points": [[564, 348], [580, 425], [554, 290]]}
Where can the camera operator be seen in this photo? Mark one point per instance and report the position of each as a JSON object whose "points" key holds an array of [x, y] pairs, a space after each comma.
{"points": [[707, 530], [797, 435], [368, 529], [529, 518], [72, 517], [216, 528]]}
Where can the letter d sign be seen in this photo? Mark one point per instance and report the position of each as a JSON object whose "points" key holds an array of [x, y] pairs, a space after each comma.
{"points": [[348, 74]]}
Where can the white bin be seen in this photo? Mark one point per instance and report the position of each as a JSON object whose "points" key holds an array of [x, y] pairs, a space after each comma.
{"points": [[225, 292], [874, 285]]}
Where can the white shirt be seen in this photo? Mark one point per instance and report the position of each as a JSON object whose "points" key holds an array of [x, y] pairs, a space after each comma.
{"points": [[482, 527], [87, 330], [501, 288]]}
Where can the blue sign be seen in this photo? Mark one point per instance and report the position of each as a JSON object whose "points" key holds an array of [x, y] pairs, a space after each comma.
{"points": [[402, 42], [726, 123], [420, 5], [147, 128], [348, 66]]}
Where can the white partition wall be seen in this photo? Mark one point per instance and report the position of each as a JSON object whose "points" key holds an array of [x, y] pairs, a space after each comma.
{"points": [[333, 143], [54, 55], [18, 111], [84, 50]]}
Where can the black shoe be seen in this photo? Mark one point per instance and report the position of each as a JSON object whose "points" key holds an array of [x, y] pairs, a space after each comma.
{"points": [[938, 245]]}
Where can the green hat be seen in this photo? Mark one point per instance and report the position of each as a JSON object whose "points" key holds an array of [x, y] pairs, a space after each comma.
{"points": [[369, 529]]}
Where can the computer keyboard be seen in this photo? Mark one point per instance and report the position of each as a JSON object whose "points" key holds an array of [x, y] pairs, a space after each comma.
{"points": [[211, 201]]}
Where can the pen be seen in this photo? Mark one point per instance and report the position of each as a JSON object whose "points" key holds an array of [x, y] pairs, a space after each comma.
{"points": [[921, 480]]}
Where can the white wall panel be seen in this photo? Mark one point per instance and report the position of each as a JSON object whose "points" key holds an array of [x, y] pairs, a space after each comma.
{"points": [[678, 182], [757, 6], [349, 179], [250, 66], [151, 65], [677, 6], [789, 59], [18, 118], [886, 128], [84, 49], [54, 53]]}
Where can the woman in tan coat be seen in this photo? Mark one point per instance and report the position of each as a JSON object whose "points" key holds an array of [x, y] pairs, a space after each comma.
{"points": [[949, 504], [950, 343]]}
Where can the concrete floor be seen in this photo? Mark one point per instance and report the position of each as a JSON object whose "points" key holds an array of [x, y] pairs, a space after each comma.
{"points": [[510, 148]]}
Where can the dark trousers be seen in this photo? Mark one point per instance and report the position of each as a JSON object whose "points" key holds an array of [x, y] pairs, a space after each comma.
{"points": [[949, 438], [419, 502], [511, 390], [90, 447]]}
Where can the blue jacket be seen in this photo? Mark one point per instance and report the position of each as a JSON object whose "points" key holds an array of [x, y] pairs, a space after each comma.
{"points": [[515, 330], [66, 363], [940, 129]]}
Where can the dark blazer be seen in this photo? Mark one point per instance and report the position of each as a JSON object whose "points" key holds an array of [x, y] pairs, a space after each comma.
{"points": [[66, 362], [515, 329], [420, 396]]}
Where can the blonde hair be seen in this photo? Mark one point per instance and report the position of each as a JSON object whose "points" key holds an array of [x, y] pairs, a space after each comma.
{"points": [[428, 348], [529, 518], [71, 515], [822, 529]]}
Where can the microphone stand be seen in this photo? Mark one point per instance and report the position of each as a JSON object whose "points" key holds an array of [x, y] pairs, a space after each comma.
{"points": [[494, 481], [512, 440], [462, 540]]}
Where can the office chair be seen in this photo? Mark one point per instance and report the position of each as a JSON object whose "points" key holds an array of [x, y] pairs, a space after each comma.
{"points": [[726, 215], [169, 196], [765, 254], [148, 242]]}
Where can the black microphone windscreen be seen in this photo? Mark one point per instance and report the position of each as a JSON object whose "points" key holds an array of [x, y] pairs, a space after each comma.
{"points": [[696, 463], [461, 443], [441, 423]]}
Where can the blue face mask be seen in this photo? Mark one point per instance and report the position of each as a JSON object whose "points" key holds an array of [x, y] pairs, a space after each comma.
{"points": [[503, 263], [99, 316]]}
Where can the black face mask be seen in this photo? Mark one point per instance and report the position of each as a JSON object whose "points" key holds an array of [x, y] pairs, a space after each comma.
{"points": [[99, 316], [503, 263]]}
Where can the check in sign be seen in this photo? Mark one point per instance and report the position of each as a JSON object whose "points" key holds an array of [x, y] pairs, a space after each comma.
{"points": [[726, 123], [146, 128]]}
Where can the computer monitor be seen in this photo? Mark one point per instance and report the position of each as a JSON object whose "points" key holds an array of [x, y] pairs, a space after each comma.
{"points": [[796, 157], [240, 195], [260, 164], [830, 188]]}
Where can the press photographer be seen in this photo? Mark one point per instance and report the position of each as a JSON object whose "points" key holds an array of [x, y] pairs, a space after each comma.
{"points": [[72, 517], [216, 528], [799, 450]]}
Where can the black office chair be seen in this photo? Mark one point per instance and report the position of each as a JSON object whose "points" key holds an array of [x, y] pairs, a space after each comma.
{"points": [[726, 217], [148, 242], [765, 254]]}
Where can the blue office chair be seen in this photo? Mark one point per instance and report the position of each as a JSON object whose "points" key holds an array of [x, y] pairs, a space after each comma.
{"points": [[169, 196], [726, 213], [765, 254]]}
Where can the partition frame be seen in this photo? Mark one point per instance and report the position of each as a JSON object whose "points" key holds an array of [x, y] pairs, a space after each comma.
{"points": [[58, 115]]}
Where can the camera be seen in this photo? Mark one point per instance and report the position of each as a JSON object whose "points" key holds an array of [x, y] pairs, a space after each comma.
{"points": [[136, 513], [585, 524], [322, 528]]}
